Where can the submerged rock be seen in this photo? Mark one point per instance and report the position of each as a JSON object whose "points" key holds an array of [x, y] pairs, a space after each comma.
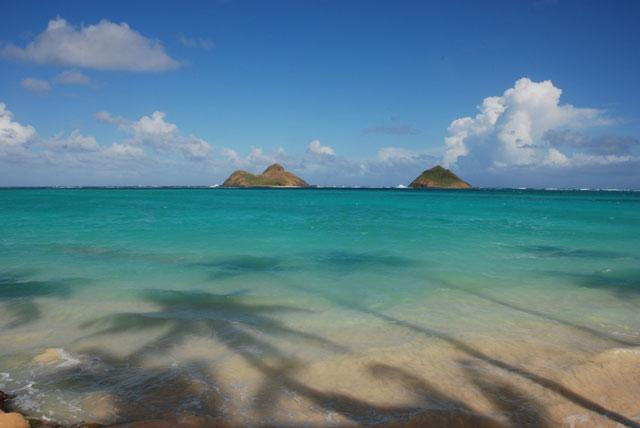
{"points": [[273, 176], [49, 356], [439, 178]]}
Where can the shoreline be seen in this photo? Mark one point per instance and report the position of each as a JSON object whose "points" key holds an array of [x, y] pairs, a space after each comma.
{"points": [[408, 386]]}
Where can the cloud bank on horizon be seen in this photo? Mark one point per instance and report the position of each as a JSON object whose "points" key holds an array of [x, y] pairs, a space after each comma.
{"points": [[526, 136], [527, 130]]}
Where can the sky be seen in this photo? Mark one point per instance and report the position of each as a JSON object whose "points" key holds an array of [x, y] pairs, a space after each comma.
{"points": [[357, 93]]}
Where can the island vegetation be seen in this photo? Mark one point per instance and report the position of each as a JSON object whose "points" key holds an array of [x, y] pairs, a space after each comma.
{"points": [[439, 177], [274, 176]]}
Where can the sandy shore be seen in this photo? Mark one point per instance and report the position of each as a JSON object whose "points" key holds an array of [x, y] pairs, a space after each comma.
{"points": [[454, 383]]}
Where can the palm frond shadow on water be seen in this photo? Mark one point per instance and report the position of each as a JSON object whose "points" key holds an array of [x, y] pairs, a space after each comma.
{"points": [[546, 316], [520, 372], [624, 284], [229, 320], [251, 331], [19, 292], [242, 328]]}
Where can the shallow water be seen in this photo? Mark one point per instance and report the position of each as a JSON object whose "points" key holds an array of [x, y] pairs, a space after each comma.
{"points": [[322, 306]]}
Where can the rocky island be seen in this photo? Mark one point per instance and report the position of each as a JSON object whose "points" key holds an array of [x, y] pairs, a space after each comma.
{"points": [[439, 178], [274, 176]]}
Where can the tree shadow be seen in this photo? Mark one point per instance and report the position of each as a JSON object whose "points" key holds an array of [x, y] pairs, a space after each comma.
{"points": [[349, 261], [625, 283], [437, 408], [343, 262], [135, 391], [248, 329], [550, 385], [20, 286], [240, 265], [521, 409], [18, 292], [242, 327], [553, 251], [591, 331], [110, 253], [278, 378], [224, 317]]}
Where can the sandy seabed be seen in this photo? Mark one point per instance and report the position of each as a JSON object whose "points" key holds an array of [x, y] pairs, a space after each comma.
{"points": [[452, 382]]}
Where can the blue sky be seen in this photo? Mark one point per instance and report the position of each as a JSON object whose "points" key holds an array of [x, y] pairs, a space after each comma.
{"points": [[340, 92]]}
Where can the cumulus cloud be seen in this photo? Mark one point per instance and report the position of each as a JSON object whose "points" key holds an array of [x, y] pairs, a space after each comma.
{"points": [[154, 147], [75, 142], [13, 135], [555, 157], [153, 127], [395, 154], [103, 46], [155, 132], [36, 86], [123, 151], [318, 149], [231, 155], [528, 126], [72, 77]]}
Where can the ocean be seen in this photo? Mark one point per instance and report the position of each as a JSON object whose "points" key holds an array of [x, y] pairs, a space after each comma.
{"points": [[322, 307]]}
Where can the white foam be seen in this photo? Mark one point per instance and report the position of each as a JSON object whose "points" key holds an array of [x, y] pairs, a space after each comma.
{"points": [[67, 359]]}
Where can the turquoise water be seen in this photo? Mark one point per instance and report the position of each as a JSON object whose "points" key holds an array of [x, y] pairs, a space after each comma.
{"points": [[140, 289]]}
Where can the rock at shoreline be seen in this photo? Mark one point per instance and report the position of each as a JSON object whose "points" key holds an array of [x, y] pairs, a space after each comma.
{"points": [[439, 178], [273, 176], [12, 420]]}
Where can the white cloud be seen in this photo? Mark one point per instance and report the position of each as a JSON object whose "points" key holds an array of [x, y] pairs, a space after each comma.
{"points": [[76, 142], [391, 165], [155, 132], [195, 148], [13, 135], [123, 151], [103, 46], [36, 86], [72, 77], [509, 129], [232, 155], [105, 117], [395, 154], [152, 127], [555, 158], [316, 148]]}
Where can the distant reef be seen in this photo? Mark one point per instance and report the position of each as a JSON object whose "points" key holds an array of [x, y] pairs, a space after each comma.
{"points": [[439, 178], [273, 176]]}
